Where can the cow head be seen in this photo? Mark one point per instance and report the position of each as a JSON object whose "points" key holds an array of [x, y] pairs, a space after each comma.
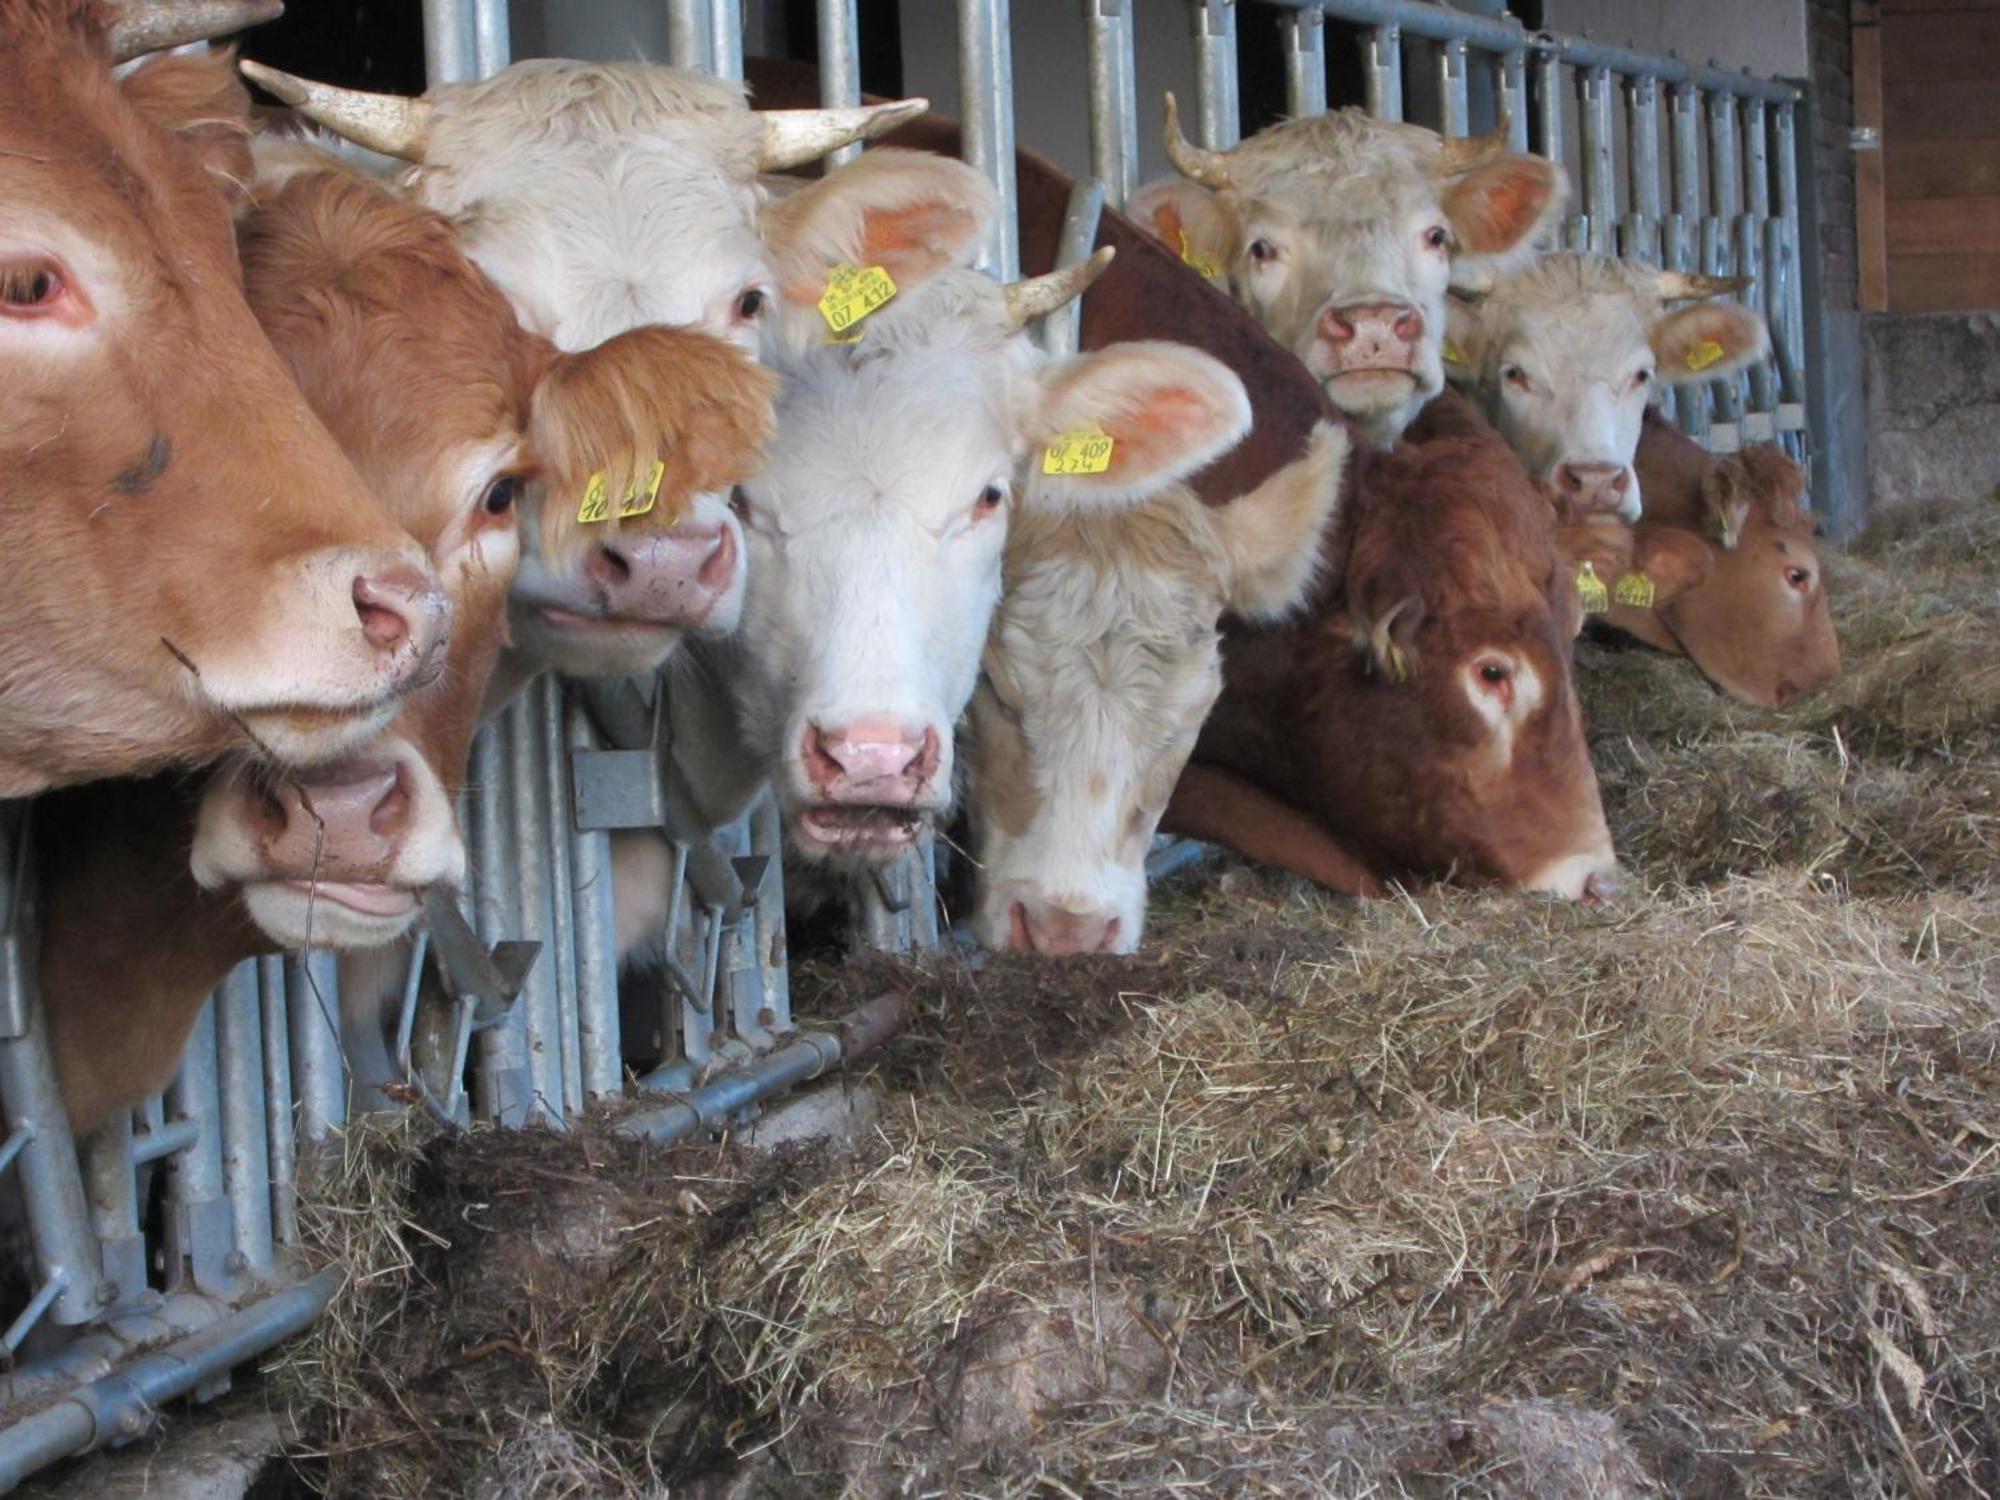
{"points": [[1438, 712], [191, 560], [1735, 576], [1340, 234], [1567, 354], [604, 197], [1102, 663], [451, 411]]}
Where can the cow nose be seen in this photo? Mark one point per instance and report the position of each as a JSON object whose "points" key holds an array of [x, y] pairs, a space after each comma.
{"points": [[1593, 486], [674, 577], [1373, 332], [1044, 927], [877, 759], [344, 820], [406, 617]]}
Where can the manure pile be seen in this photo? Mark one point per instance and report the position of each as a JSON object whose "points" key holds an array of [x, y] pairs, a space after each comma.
{"points": [[1450, 1194]]}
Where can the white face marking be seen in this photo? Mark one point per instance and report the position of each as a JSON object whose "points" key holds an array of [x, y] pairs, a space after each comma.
{"points": [[1505, 691]]}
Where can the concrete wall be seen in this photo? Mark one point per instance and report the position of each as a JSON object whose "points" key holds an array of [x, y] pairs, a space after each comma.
{"points": [[1764, 36]]}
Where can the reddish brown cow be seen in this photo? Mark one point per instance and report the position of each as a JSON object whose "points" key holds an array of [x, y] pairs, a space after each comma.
{"points": [[416, 361], [190, 556], [1420, 719]]}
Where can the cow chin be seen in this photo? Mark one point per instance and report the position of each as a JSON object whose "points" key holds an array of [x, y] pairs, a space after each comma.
{"points": [[854, 834], [1379, 402], [579, 645], [331, 914], [299, 736]]}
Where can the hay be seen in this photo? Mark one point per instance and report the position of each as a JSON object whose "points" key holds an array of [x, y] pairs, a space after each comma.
{"points": [[1453, 1194]]}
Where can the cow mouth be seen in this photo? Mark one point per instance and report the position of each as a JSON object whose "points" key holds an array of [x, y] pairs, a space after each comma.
{"points": [[860, 828], [572, 623], [365, 898], [1374, 375]]}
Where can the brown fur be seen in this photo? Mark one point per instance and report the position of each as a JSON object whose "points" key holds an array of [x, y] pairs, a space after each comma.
{"points": [[101, 576]]}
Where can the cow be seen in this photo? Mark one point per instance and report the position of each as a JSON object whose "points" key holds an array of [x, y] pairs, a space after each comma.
{"points": [[602, 197], [1419, 719], [1340, 233], [451, 410], [1567, 354], [1101, 665], [193, 565]]}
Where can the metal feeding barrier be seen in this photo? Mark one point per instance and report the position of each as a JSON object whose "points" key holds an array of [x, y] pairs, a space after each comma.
{"points": [[162, 1252]]}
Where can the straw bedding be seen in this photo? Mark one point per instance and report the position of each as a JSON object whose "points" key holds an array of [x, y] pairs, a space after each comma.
{"points": [[1450, 1194]]}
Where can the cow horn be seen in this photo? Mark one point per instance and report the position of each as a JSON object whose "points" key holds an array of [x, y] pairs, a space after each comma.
{"points": [[1461, 153], [389, 123], [1688, 286], [1040, 295], [793, 137], [137, 28], [1199, 164]]}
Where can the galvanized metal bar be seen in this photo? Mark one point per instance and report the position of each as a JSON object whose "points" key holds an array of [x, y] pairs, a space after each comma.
{"points": [[1790, 333], [245, 1142], [839, 64], [110, 1182], [1511, 88], [506, 1092], [280, 1128], [200, 1232], [163, 1139], [1680, 250], [538, 1006], [1382, 63], [1114, 100], [492, 47], [767, 837], [1079, 237], [1304, 39], [1454, 89], [1598, 141], [1725, 182], [1549, 91], [1219, 112], [1760, 420], [1642, 136], [319, 1074], [449, 53], [688, 43], [596, 941], [556, 802], [986, 94], [725, 38]]}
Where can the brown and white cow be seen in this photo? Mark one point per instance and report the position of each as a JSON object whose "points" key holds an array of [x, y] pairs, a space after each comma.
{"points": [[1567, 355], [1340, 233], [1102, 664], [417, 363], [1420, 718], [602, 197], [192, 563]]}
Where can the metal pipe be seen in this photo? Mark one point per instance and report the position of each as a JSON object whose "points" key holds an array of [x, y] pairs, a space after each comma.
{"points": [[1725, 181], [808, 1055], [506, 1092], [559, 823], [110, 1182], [448, 43], [1597, 141], [1114, 110], [120, 1406], [245, 1147], [1454, 90], [200, 1226], [1790, 332], [1079, 237], [319, 1071], [1751, 262], [1642, 134], [596, 942], [767, 837], [1512, 87], [986, 94], [1304, 40], [537, 1008], [687, 34], [1682, 226], [1174, 855], [1382, 62], [164, 1140], [839, 65], [491, 45], [1219, 113], [725, 38], [1549, 105], [280, 1125]]}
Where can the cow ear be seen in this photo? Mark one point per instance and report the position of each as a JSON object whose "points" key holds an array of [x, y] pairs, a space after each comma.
{"points": [[1725, 503], [199, 98], [1499, 212], [909, 212], [1464, 339], [1272, 535], [1163, 409], [1776, 484], [1707, 340], [1190, 220], [1674, 560], [1388, 639]]}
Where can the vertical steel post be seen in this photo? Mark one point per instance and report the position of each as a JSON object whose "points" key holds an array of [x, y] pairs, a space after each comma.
{"points": [[767, 837], [319, 1073], [1511, 83], [688, 42], [1790, 332], [839, 65], [725, 38], [1454, 88], [1081, 216], [1382, 61], [1718, 253], [1304, 39], [1114, 102], [491, 47], [1220, 112], [986, 92], [246, 1152], [200, 1227], [559, 835], [1642, 134], [537, 1007], [596, 942], [1549, 84], [506, 1086], [449, 55], [279, 1121], [1683, 226], [112, 1187], [1760, 420], [1598, 141]]}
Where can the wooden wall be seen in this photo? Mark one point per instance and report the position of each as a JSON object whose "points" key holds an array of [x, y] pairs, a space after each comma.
{"points": [[1927, 73]]}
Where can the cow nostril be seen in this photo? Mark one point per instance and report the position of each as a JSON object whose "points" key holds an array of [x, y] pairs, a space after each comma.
{"points": [[1621, 481], [1410, 326], [391, 815], [609, 566], [1017, 928], [821, 767], [1111, 930], [923, 765], [1334, 328], [382, 623]]}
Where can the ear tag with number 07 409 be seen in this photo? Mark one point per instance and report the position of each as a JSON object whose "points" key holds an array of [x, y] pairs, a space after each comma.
{"points": [[1085, 450]]}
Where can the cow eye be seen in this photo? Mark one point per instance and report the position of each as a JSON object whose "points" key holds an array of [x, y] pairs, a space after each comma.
{"points": [[1799, 578], [1641, 379], [1517, 377], [30, 285], [1437, 237], [990, 499], [739, 505], [501, 495], [1263, 252], [1493, 674], [750, 303]]}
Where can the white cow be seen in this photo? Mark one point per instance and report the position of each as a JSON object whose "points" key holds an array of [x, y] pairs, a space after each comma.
{"points": [[1339, 233], [1566, 354]]}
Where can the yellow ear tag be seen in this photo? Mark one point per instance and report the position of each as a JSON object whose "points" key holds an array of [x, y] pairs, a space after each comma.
{"points": [[1704, 354], [1399, 663], [1596, 598], [1200, 262], [1635, 589], [638, 500], [852, 293], [1453, 355], [1086, 450]]}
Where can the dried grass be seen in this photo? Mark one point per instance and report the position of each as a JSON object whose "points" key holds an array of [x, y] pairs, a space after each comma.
{"points": [[1448, 1195]]}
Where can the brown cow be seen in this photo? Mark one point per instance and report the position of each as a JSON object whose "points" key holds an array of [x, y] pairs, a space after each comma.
{"points": [[415, 359], [1420, 719], [191, 560]]}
